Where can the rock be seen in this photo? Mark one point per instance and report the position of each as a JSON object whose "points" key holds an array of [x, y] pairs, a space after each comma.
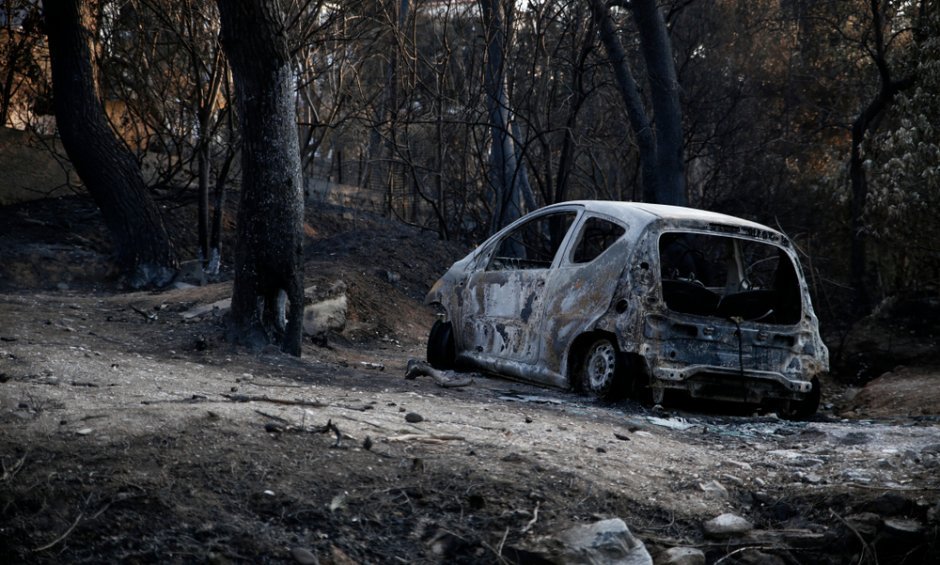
{"points": [[727, 525], [83, 431], [903, 528], [414, 417], [339, 557], [216, 308], [714, 489], [889, 504], [681, 556], [324, 316], [304, 556], [600, 543], [754, 556], [191, 273]]}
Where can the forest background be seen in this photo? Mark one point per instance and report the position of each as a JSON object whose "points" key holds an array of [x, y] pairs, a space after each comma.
{"points": [[816, 117]]}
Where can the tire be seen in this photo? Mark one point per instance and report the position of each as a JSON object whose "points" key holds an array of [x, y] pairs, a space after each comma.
{"points": [[442, 352], [602, 369]]}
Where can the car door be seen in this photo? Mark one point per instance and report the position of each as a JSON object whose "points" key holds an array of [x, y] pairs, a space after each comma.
{"points": [[582, 285], [503, 301]]}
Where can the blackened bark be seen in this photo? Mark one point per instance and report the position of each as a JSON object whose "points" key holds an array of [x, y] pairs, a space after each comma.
{"points": [[660, 148], [269, 235], [109, 171], [630, 93], [579, 97], [507, 174], [664, 91]]}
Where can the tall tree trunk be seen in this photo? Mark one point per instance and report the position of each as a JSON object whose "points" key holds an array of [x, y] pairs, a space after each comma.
{"points": [[861, 126], [661, 161], [578, 98], [269, 247], [664, 91], [109, 171], [378, 163], [507, 175], [632, 101]]}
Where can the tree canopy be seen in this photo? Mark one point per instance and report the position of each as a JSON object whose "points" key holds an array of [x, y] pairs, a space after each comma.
{"points": [[457, 115]]}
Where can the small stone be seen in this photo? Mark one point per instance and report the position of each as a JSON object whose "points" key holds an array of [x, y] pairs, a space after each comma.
{"points": [[727, 525], [414, 417], [304, 556], [83, 431], [600, 449], [607, 541], [682, 556], [714, 489], [902, 527]]}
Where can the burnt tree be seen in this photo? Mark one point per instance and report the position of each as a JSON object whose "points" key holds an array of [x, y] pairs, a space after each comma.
{"points": [[268, 295], [660, 139], [109, 171], [863, 124]]}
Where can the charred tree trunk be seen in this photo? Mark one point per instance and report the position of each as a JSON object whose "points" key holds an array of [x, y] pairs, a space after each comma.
{"points": [[269, 247], [664, 91], [109, 171], [660, 148], [507, 175], [632, 101], [861, 126]]}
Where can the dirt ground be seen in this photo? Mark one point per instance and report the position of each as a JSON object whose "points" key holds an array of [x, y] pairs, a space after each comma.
{"points": [[131, 433]]}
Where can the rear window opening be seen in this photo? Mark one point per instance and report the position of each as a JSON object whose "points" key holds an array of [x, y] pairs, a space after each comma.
{"points": [[729, 277]]}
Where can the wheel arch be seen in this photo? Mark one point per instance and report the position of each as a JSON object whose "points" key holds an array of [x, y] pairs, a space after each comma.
{"points": [[578, 349], [633, 365]]}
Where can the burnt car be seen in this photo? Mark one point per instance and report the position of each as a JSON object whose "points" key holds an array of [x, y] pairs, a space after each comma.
{"points": [[618, 297]]}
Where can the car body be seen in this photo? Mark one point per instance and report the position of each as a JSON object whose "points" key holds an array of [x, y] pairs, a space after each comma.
{"points": [[619, 296]]}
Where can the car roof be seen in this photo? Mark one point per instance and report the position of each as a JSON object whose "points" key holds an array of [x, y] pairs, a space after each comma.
{"points": [[643, 213]]}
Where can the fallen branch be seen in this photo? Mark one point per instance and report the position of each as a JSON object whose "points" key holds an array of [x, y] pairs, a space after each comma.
{"points": [[273, 417], [445, 379], [535, 518], [194, 399], [59, 539], [10, 473], [284, 401], [866, 548], [895, 489], [150, 316], [330, 426], [424, 438], [742, 550]]}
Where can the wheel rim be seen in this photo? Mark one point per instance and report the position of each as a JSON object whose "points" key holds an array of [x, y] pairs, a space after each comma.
{"points": [[600, 366]]}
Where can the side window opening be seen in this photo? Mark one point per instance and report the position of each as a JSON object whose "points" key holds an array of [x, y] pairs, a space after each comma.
{"points": [[597, 235], [533, 245], [731, 278]]}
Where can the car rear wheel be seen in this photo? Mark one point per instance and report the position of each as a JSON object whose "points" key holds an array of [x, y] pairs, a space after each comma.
{"points": [[601, 369], [442, 352]]}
